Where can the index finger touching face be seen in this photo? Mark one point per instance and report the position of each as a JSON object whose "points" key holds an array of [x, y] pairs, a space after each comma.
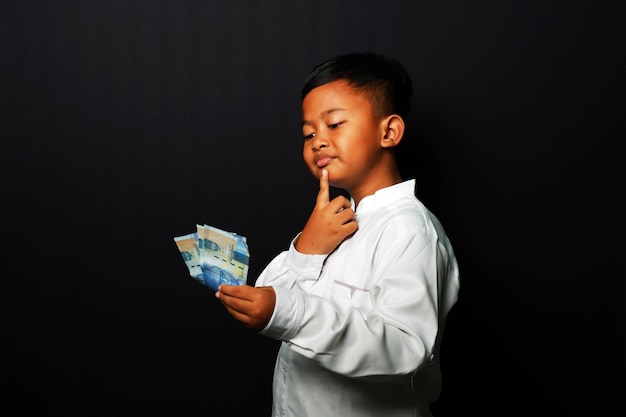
{"points": [[324, 195]]}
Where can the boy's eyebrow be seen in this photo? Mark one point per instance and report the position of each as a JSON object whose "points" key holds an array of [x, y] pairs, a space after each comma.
{"points": [[324, 114]]}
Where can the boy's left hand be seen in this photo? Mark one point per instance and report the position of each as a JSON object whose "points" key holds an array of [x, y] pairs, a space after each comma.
{"points": [[252, 306], [329, 224]]}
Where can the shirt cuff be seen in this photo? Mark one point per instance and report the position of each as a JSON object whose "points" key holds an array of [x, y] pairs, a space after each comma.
{"points": [[303, 264], [287, 315]]}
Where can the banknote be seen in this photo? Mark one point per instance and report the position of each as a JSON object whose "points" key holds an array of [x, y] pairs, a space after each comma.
{"points": [[214, 256], [188, 247]]}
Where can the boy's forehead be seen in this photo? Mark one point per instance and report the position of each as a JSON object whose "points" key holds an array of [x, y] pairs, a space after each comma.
{"points": [[333, 96]]}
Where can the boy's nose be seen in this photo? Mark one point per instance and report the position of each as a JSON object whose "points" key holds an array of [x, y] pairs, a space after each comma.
{"points": [[319, 142]]}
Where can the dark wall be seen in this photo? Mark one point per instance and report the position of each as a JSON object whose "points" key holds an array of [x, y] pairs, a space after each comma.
{"points": [[126, 123]]}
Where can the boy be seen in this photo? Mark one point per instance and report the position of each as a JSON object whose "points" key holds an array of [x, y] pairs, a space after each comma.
{"points": [[360, 298]]}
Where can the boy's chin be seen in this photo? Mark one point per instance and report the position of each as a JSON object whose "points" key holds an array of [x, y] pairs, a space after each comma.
{"points": [[317, 172]]}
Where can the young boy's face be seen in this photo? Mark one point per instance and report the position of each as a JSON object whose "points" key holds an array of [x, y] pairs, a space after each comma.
{"points": [[341, 135]]}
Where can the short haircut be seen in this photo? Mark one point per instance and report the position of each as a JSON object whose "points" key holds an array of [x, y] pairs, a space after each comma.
{"points": [[384, 81]]}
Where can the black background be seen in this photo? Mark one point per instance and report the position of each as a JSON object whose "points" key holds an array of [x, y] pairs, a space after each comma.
{"points": [[125, 123]]}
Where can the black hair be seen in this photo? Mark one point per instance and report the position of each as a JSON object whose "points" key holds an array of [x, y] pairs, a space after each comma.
{"points": [[383, 80]]}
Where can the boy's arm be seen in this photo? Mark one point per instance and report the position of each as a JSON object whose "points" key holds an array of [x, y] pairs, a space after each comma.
{"points": [[329, 224]]}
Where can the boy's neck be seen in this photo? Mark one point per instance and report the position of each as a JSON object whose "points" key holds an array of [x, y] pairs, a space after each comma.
{"points": [[383, 181]]}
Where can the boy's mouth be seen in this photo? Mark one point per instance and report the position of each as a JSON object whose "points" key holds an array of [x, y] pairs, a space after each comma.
{"points": [[323, 160]]}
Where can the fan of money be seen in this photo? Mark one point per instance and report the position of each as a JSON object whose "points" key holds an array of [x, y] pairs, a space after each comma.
{"points": [[214, 256]]}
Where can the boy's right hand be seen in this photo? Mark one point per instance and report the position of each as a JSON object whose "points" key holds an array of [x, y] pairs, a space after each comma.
{"points": [[329, 224], [252, 306]]}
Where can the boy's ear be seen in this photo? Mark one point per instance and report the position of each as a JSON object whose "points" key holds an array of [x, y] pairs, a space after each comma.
{"points": [[393, 130]]}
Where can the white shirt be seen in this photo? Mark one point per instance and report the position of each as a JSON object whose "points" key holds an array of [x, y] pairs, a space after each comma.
{"points": [[361, 327]]}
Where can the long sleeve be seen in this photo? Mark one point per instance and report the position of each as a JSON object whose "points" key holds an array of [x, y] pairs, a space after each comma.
{"points": [[361, 327], [371, 309]]}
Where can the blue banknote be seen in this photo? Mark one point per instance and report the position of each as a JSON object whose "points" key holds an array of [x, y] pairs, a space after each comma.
{"points": [[214, 256]]}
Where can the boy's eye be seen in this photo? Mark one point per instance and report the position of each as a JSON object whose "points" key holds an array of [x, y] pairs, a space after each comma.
{"points": [[309, 136], [335, 125]]}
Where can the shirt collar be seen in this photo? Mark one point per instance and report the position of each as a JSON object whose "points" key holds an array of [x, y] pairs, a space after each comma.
{"points": [[385, 196]]}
